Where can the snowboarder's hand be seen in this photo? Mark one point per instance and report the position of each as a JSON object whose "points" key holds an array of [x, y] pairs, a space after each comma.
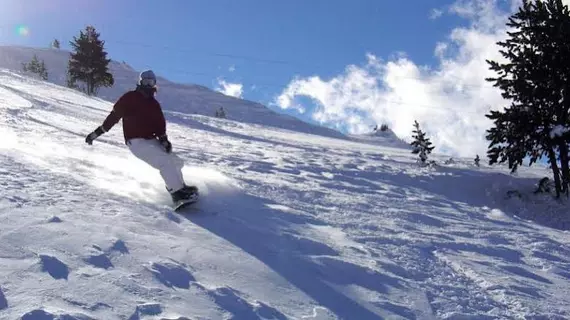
{"points": [[93, 135], [165, 143]]}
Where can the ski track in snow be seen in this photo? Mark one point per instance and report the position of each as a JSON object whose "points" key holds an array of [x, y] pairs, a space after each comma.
{"points": [[291, 226]]}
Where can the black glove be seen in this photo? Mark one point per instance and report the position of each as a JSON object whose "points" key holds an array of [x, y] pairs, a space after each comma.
{"points": [[163, 139], [93, 135]]}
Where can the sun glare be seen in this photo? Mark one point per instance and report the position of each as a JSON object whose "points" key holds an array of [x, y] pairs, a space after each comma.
{"points": [[22, 30]]}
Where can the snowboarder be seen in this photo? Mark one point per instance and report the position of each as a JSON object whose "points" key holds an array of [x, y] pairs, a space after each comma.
{"points": [[144, 130]]}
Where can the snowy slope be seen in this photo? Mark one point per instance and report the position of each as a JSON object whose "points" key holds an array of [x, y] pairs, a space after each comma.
{"points": [[184, 98], [291, 226]]}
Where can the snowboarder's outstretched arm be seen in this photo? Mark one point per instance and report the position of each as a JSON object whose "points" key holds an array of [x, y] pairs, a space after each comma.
{"points": [[114, 116]]}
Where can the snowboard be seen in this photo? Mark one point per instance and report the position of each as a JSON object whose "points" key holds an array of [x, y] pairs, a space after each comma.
{"points": [[181, 205]]}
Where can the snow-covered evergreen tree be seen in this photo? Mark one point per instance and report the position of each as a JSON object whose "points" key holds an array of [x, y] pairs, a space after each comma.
{"points": [[422, 145]]}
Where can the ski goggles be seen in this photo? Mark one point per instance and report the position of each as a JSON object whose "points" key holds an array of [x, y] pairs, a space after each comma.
{"points": [[148, 82]]}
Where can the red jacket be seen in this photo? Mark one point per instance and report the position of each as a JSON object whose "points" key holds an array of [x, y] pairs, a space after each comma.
{"points": [[142, 116]]}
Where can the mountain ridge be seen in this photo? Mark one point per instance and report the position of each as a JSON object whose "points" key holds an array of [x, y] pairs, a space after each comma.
{"points": [[178, 97]]}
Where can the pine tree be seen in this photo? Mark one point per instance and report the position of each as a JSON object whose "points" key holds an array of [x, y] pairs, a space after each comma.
{"points": [[69, 79], [88, 62], [42, 71], [422, 145], [34, 65], [37, 67], [55, 44], [536, 79]]}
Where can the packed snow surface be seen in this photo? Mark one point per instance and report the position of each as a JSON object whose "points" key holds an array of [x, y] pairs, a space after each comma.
{"points": [[290, 226]]}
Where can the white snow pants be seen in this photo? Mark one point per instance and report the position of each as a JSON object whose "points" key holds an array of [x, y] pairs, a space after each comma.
{"points": [[169, 165]]}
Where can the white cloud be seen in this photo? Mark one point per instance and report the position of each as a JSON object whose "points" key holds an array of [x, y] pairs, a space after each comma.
{"points": [[449, 100], [232, 68], [435, 13], [230, 89]]}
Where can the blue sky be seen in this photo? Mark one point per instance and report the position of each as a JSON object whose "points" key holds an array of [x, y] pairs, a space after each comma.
{"points": [[183, 39], [407, 57]]}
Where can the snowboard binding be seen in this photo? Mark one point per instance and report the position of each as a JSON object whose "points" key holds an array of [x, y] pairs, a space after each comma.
{"points": [[185, 196]]}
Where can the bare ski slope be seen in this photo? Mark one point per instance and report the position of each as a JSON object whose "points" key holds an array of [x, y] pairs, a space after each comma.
{"points": [[291, 226]]}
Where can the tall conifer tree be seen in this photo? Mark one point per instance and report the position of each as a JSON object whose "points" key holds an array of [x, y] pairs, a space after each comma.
{"points": [[88, 63], [536, 79]]}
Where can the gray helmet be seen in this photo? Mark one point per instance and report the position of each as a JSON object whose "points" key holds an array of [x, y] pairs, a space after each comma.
{"points": [[147, 79]]}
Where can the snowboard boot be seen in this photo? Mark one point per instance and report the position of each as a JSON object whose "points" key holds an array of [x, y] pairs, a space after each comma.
{"points": [[190, 190], [187, 193]]}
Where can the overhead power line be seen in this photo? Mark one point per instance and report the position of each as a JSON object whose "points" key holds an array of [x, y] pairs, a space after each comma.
{"points": [[285, 62], [263, 60], [252, 59], [278, 86], [226, 55], [281, 86]]}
